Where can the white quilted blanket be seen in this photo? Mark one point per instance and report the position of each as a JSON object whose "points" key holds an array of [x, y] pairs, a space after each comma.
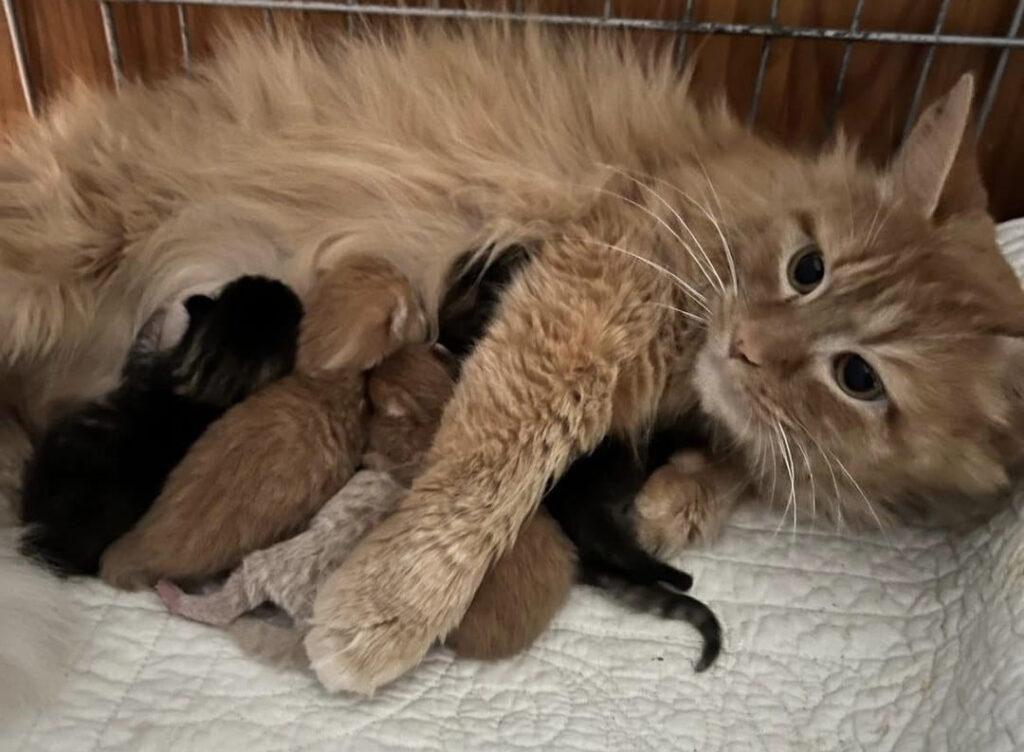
{"points": [[833, 642]]}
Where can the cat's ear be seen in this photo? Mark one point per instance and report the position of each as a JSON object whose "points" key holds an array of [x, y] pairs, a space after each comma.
{"points": [[936, 169]]}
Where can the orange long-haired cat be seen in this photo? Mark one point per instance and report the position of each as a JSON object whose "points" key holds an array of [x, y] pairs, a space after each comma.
{"points": [[854, 331]]}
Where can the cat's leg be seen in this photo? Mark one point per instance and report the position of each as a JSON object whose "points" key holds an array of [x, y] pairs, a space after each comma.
{"points": [[569, 357], [686, 501]]}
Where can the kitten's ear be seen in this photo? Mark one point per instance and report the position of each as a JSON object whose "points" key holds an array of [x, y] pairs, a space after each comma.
{"points": [[198, 306], [936, 169]]}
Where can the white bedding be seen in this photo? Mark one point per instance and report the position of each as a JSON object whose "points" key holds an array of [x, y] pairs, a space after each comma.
{"points": [[833, 641]]}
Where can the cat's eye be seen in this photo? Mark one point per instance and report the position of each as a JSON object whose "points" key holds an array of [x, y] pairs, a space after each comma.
{"points": [[857, 378], [806, 269]]}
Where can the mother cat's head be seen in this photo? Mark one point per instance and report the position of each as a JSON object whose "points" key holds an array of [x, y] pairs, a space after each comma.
{"points": [[873, 347]]}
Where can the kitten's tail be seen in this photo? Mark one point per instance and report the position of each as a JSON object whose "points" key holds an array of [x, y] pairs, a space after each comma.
{"points": [[658, 599]]}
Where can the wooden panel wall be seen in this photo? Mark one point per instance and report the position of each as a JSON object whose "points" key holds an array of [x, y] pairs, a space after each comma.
{"points": [[64, 41]]}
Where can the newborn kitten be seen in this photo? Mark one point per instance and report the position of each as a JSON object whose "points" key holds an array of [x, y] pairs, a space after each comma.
{"points": [[407, 395], [593, 502], [261, 471], [98, 469]]}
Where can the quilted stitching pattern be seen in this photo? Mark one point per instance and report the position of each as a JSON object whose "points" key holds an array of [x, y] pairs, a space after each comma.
{"points": [[833, 642]]}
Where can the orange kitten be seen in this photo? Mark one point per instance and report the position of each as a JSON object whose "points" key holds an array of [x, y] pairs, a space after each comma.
{"points": [[262, 470]]}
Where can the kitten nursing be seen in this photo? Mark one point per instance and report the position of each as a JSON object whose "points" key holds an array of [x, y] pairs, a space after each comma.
{"points": [[259, 473], [100, 468], [852, 331], [407, 393]]}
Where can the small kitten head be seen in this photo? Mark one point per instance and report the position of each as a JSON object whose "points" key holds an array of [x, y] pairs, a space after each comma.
{"points": [[872, 349], [408, 393], [237, 342], [359, 312]]}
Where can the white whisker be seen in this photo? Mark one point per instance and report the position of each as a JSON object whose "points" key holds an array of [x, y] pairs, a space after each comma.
{"points": [[791, 469], [810, 475], [721, 284], [680, 282], [694, 317], [721, 235], [871, 227], [856, 485]]}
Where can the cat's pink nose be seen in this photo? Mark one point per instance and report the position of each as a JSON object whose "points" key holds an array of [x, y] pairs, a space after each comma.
{"points": [[743, 347]]}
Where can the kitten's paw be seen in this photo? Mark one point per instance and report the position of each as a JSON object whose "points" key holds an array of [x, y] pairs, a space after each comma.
{"points": [[123, 566], [408, 321], [170, 594]]}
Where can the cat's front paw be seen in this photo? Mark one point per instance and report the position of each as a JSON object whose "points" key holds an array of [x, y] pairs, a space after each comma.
{"points": [[685, 501], [350, 657], [378, 615]]}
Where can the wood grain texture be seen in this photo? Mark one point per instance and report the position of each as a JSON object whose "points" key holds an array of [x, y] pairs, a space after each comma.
{"points": [[149, 37], [64, 43], [64, 40]]}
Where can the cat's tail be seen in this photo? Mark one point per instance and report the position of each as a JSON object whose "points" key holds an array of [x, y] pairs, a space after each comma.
{"points": [[658, 599], [35, 631]]}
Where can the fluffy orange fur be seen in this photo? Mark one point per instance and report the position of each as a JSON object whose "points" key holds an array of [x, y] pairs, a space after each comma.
{"points": [[661, 233]]}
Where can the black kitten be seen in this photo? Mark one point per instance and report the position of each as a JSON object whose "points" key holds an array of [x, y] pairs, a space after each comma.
{"points": [[474, 291], [97, 470], [592, 504], [592, 501]]}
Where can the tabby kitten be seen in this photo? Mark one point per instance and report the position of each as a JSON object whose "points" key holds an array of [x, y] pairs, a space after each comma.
{"points": [[98, 469]]}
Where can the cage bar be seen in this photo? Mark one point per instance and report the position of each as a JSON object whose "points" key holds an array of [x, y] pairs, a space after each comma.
{"points": [[682, 36], [113, 48], [762, 66], [622, 22], [20, 61], [922, 78], [1000, 69], [186, 38], [844, 65]]}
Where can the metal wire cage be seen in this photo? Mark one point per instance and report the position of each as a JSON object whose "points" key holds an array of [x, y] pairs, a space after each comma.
{"points": [[682, 28]]}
